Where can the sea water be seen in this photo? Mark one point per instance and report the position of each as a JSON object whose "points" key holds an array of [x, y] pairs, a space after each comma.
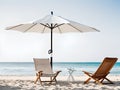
{"points": [[27, 68]]}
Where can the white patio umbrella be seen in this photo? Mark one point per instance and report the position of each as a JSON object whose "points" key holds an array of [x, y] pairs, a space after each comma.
{"points": [[52, 23]]}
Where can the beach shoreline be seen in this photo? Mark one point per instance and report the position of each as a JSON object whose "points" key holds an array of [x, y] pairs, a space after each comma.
{"points": [[17, 82]]}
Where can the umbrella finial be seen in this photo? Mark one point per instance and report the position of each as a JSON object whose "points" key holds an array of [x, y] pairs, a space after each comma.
{"points": [[51, 12]]}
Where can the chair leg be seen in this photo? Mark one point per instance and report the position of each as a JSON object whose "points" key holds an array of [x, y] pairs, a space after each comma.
{"points": [[54, 78], [102, 80], [97, 81], [87, 81], [109, 81], [38, 75], [50, 80]]}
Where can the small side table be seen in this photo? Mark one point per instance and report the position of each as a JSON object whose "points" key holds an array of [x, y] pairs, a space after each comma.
{"points": [[70, 77]]}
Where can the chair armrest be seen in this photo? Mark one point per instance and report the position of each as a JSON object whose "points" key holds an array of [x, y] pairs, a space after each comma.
{"points": [[87, 72], [57, 72], [39, 72]]}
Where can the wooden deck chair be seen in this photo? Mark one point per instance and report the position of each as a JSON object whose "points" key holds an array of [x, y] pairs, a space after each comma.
{"points": [[102, 71], [43, 69]]}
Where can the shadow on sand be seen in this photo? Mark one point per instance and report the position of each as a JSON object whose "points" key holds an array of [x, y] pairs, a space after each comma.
{"points": [[61, 85]]}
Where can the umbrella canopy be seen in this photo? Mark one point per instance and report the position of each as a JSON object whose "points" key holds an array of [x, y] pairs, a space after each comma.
{"points": [[52, 23], [57, 23]]}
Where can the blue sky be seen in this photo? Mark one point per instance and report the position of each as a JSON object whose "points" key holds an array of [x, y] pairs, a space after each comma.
{"points": [[94, 46]]}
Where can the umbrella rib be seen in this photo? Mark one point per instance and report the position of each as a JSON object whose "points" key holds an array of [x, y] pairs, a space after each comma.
{"points": [[45, 25], [59, 30], [15, 26], [29, 28], [75, 28], [48, 25], [43, 30], [58, 25], [55, 25]]}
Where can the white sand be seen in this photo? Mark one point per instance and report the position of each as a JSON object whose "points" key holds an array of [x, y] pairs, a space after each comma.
{"points": [[27, 83]]}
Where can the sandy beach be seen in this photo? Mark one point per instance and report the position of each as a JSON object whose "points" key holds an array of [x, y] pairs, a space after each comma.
{"points": [[27, 83]]}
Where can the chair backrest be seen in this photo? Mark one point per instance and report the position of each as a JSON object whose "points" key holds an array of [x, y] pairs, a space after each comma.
{"points": [[105, 67], [43, 65]]}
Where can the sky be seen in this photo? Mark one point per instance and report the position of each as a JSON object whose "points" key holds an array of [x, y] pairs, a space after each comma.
{"points": [[103, 15]]}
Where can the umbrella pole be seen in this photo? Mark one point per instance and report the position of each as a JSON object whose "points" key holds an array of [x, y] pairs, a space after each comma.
{"points": [[51, 58], [51, 50]]}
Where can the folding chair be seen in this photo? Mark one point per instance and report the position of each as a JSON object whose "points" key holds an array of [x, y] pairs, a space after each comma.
{"points": [[43, 69], [102, 71]]}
